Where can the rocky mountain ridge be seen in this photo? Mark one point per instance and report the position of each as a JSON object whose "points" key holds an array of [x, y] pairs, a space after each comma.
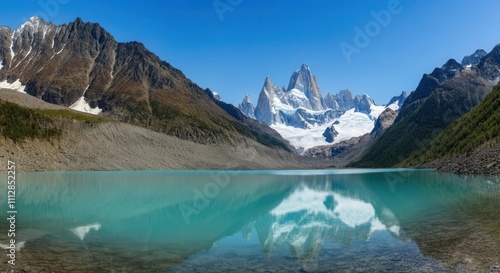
{"points": [[470, 145], [81, 66], [441, 97], [474, 58]]}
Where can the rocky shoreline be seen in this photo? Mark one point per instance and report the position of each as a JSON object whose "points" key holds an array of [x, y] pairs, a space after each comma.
{"points": [[484, 162]]}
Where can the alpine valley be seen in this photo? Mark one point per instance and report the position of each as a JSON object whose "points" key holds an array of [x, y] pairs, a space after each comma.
{"points": [[74, 98]]}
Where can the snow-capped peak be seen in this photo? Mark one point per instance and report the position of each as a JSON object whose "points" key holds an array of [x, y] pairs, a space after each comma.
{"points": [[363, 103], [304, 67], [36, 19], [34, 24], [247, 107], [302, 115]]}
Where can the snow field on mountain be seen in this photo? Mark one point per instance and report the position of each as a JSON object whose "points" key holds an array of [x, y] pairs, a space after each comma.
{"points": [[351, 124]]}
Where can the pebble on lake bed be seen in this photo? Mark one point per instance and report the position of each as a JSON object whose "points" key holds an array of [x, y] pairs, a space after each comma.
{"points": [[495, 268]]}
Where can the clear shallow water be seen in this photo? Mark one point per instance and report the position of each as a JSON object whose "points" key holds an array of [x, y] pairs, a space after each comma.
{"points": [[253, 221]]}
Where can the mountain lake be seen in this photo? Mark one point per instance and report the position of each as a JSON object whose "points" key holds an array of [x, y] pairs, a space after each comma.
{"points": [[355, 220]]}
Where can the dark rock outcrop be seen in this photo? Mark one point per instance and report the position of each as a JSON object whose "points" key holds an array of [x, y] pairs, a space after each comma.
{"points": [[474, 58], [330, 134], [363, 103], [345, 100]]}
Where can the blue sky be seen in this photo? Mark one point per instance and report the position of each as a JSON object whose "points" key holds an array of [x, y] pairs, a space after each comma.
{"points": [[232, 48]]}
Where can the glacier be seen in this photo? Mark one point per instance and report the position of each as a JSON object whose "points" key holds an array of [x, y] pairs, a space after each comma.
{"points": [[348, 125], [301, 114]]}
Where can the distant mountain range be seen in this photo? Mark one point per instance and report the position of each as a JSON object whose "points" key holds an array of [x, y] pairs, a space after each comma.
{"points": [[347, 128], [306, 119], [82, 67]]}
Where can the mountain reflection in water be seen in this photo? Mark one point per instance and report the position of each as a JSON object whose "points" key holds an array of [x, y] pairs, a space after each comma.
{"points": [[275, 221]]}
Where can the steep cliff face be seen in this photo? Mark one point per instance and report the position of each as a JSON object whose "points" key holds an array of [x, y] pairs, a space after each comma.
{"points": [[247, 107], [265, 111], [304, 81], [58, 63]]}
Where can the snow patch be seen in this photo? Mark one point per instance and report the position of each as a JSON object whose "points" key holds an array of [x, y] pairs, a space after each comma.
{"points": [[17, 86], [216, 96], [82, 105], [394, 106], [1, 65], [12, 53], [297, 93]]}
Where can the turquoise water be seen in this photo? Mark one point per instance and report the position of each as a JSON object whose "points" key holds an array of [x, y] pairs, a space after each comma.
{"points": [[253, 221]]}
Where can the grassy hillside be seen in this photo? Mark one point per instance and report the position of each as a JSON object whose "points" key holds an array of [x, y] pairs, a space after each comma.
{"points": [[422, 121], [19, 123], [479, 127]]}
